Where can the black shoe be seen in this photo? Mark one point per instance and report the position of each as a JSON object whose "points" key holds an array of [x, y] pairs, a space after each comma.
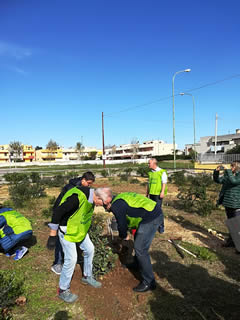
{"points": [[228, 244], [131, 266], [143, 287]]}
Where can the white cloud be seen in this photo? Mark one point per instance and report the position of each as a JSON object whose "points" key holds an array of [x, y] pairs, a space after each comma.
{"points": [[14, 51]]}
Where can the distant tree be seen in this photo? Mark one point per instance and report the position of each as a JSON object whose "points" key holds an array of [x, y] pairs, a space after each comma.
{"points": [[235, 150], [92, 155], [79, 148], [15, 149], [52, 146], [134, 147], [38, 148]]}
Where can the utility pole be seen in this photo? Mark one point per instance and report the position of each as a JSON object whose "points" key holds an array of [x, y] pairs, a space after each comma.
{"points": [[215, 147], [103, 147]]}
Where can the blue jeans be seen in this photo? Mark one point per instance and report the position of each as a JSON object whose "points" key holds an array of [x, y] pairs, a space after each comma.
{"points": [[70, 259], [143, 240], [158, 200], [58, 253]]}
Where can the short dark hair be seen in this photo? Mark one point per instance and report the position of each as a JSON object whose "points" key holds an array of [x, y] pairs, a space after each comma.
{"points": [[88, 176]]}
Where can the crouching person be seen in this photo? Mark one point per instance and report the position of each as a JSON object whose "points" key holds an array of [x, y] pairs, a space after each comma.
{"points": [[136, 211], [14, 230], [72, 219]]}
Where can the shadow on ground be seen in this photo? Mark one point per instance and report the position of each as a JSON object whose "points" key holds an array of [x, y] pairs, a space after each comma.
{"points": [[191, 293]]}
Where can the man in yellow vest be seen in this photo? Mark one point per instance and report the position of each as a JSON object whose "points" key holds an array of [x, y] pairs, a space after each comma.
{"points": [[133, 210], [72, 219], [157, 184]]}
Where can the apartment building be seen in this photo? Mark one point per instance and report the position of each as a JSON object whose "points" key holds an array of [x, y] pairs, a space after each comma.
{"points": [[4, 153], [223, 143], [28, 153], [43, 155], [146, 149]]}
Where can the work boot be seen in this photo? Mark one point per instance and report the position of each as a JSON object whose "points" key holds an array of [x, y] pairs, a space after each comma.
{"points": [[67, 296], [92, 282]]}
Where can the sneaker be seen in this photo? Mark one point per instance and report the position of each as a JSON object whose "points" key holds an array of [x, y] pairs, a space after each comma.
{"points": [[67, 296], [56, 268], [92, 282], [20, 253]]}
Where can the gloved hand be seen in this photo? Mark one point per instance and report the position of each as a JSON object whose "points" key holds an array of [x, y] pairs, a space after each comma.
{"points": [[51, 243]]}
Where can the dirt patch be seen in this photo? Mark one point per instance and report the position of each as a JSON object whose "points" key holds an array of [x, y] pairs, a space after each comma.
{"points": [[115, 300]]}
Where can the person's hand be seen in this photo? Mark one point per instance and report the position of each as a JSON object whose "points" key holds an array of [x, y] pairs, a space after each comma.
{"points": [[127, 238], [162, 195], [51, 243]]}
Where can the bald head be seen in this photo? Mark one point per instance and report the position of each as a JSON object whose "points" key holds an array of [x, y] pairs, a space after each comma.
{"points": [[152, 163]]}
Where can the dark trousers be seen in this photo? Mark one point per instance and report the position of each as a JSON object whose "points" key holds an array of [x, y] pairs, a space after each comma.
{"points": [[143, 239], [158, 200], [58, 253]]}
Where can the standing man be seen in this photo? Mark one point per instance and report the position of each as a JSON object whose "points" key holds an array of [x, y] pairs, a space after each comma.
{"points": [[157, 184], [72, 218], [135, 210], [86, 180]]}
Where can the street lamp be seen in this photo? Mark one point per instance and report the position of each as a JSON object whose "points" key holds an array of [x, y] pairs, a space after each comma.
{"points": [[194, 123], [174, 147]]}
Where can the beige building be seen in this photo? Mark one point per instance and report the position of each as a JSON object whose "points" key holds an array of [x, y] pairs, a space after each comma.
{"points": [[4, 153], [138, 150]]}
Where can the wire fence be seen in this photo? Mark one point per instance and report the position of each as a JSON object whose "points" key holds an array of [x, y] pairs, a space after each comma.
{"points": [[218, 158]]}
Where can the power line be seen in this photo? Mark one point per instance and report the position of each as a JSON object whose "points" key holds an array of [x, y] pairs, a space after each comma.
{"points": [[169, 97]]}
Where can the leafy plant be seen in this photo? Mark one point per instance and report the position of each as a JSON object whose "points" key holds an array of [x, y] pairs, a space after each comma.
{"points": [[22, 188], [104, 258], [11, 288], [142, 170], [193, 195], [134, 181], [104, 173], [201, 252]]}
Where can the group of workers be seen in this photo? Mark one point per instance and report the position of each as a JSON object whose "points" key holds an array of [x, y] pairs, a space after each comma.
{"points": [[72, 216]]}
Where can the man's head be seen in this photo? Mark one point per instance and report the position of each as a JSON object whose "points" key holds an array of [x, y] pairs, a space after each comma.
{"points": [[104, 195], [87, 179], [152, 163]]}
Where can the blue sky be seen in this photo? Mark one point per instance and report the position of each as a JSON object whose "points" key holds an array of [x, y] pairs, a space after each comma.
{"points": [[63, 63]]}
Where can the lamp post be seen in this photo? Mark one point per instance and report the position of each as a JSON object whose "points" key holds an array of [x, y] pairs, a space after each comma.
{"points": [[194, 122], [174, 146]]}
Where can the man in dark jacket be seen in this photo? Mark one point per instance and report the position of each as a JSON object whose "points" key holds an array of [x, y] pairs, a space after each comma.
{"points": [[133, 210], [85, 180], [229, 195]]}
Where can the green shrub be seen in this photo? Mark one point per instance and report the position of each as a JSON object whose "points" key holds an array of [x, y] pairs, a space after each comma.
{"points": [[104, 258], [124, 177], [194, 196], [178, 178], [23, 189], [143, 170], [134, 181], [104, 173], [128, 171], [35, 177], [11, 287]]}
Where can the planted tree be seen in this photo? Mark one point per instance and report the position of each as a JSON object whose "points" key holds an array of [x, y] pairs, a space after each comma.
{"points": [[104, 258]]}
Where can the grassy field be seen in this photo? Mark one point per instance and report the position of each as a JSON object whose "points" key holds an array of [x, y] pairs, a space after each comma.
{"points": [[206, 287]]}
